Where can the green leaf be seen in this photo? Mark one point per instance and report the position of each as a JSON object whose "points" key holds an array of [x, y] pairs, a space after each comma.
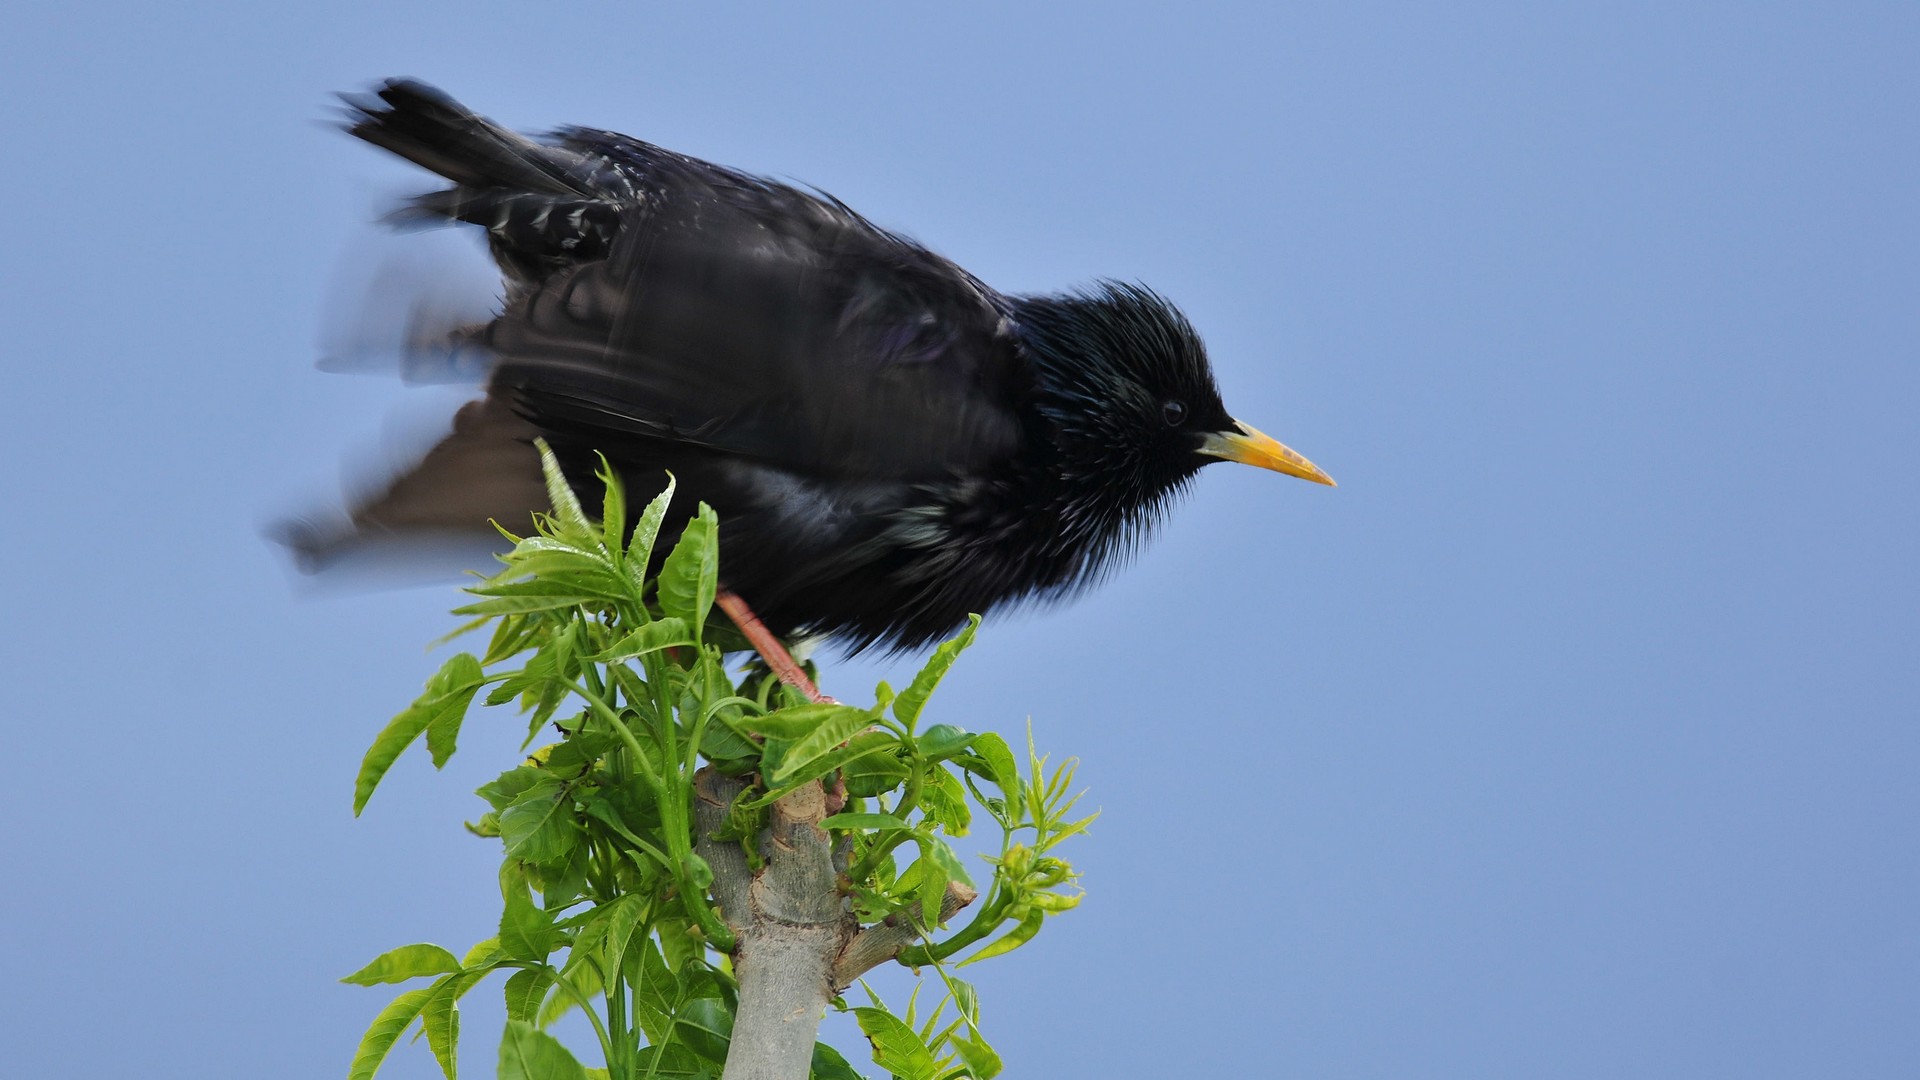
{"points": [[943, 856], [403, 963], [646, 531], [623, 917], [1021, 934], [868, 822], [526, 989], [482, 954], [526, 931], [688, 578], [527, 1053], [539, 826], [705, 1026], [652, 637], [878, 772], [1005, 772], [897, 1048], [914, 698], [440, 1018], [566, 505], [983, 1063], [821, 741], [394, 1019], [797, 721], [504, 790], [613, 506], [444, 704], [828, 1064], [945, 801], [943, 740]]}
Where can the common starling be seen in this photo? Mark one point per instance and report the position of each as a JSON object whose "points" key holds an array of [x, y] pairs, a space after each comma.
{"points": [[890, 443]]}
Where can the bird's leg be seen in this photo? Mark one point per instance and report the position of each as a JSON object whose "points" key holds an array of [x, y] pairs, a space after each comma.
{"points": [[768, 646]]}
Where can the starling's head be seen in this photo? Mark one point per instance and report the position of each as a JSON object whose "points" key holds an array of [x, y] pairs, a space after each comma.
{"points": [[1125, 384]]}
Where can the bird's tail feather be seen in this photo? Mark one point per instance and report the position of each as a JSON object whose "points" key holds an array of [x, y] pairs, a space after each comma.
{"points": [[420, 123]]}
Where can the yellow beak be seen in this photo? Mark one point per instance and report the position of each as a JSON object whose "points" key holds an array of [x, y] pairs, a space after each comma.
{"points": [[1249, 447]]}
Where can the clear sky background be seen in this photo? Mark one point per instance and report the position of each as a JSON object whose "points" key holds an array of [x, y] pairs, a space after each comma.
{"points": [[1574, 735]]}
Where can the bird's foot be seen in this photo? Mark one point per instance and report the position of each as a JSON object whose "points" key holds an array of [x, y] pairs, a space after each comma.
{"points": [[769, 647]]}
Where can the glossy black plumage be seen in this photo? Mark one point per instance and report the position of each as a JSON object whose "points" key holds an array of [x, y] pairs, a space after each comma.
{"points": [[890, 444]]}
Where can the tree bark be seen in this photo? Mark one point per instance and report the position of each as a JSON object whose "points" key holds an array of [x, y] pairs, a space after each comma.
{"points": [[798, 942]]}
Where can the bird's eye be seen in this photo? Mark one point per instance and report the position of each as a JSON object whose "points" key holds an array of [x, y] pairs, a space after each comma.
{"points": [[1173, 412]]}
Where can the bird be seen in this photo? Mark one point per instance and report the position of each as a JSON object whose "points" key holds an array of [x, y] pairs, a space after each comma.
{"points": [[890, 444]]}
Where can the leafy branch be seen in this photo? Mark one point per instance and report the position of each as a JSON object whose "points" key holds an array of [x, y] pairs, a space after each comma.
{"points": [[698, 851]]}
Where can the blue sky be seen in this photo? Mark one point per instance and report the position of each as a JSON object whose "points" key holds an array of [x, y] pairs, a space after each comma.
{"points": [[1574, 735]]}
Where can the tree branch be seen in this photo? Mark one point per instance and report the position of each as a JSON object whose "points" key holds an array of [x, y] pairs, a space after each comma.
{"points": [[791, 922], [882, 941]]}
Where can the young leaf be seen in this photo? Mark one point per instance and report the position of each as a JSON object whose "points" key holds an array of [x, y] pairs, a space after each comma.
{"points": [[867, 822], [998, 756], [943, 740], [821, 741], [539, 826], [440, 1018], [983, 1063], [652, 637], [646, 531], [444, 704], [688, 578], [897, 1048], [526, 989], [530, 1054], [828, 1064], [613, 507], [566, 505], [526, 932], [403, 963], [394, 1019], [797, 721], [1029, 926], [914, 698]]}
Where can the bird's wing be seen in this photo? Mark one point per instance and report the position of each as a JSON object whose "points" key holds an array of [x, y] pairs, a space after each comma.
{"points": [[755, 319], [658, 302]]}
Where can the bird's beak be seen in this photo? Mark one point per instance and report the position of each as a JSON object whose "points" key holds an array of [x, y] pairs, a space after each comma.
{"points": [[1249, 447]]}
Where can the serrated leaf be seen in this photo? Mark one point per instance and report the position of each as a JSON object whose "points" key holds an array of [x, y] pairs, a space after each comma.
{"points": [[646, 531], [660, 634], [566, 505], [501, 791], [815, 745], [982, 1061], [798, 721], [403, 963], [444, 703], [394, 1019], [526, 931], [527, 1053], [867, 822], [914, 698], [440, 1018], [613, 506], [623, 918], [526, 989], [897, 1048], [688, 578], [539, 826]]}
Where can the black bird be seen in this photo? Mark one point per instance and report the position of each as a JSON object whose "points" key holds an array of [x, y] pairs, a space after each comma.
{"points": [[890, 443]]}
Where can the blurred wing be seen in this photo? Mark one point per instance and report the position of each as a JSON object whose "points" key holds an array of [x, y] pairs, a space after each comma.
{"points": [[750, 318]]}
